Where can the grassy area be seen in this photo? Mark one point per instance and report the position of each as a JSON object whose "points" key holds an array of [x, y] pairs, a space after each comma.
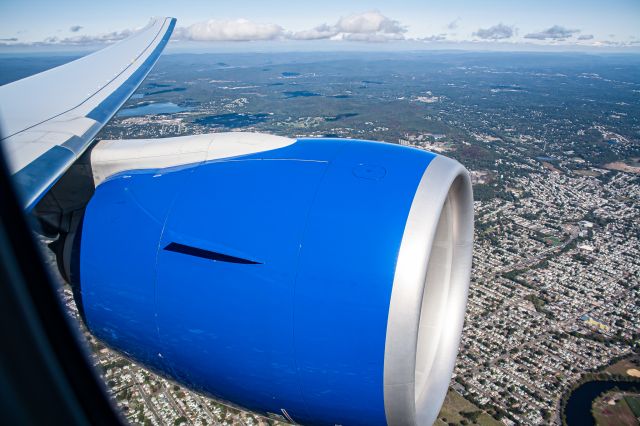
{"points": [[457, 410], [553, 241], [538, 303], [633, 401], [612, 409], [591, 173], [621, 367]]}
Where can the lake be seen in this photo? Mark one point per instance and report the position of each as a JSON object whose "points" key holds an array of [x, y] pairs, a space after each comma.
{"points": [[299, 94], [578, 409]]}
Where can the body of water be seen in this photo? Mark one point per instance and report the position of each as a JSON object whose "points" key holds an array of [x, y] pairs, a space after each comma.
{"points": [[341, 116], [151, 109], [299, 94], [578, 409]]}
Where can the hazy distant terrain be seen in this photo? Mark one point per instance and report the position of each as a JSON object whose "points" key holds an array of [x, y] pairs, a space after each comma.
{"points": [[557, 102]]}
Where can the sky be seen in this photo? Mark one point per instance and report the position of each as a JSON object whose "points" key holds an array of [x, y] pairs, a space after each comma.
{"points": [[246, 25]]}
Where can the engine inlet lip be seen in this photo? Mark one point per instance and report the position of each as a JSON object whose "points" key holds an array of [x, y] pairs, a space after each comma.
{"points": [[444, 192]]}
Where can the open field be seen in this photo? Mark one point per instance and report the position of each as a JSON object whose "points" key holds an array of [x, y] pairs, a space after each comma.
{"points": [[623, 367], [453, 408], [591, 173], [552, 240], [633, 401], [551, 167], [612, 409], [623, 167]]}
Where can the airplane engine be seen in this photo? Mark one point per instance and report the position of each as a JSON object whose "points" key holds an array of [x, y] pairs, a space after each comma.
{"points": [[321, 282]]}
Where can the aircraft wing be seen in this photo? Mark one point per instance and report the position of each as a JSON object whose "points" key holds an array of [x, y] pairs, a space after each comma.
{"points": [[49, 119]]}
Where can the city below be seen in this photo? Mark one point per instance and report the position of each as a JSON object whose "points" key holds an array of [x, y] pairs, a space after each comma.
{"points": [[552, 142]]}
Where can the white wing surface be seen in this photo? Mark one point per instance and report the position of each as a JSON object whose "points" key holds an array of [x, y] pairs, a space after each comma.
{"points": [[49, 119]]}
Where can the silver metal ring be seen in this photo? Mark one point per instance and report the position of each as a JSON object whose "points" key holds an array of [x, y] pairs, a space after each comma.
{"points": [[429, 295]]}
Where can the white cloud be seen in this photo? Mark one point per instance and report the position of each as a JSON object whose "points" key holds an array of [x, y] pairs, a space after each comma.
{"points": [[613, 43], [75, 28], [556, 32], [372, 37], [369, 22], [229, 30], [497, 32], [370, 26], [320, 32], [586, 37]]}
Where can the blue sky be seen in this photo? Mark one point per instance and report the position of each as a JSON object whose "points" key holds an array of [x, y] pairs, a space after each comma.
{"points": [[493, 24]]}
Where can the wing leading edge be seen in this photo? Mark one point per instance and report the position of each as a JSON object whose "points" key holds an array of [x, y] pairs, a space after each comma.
{"points": [[49, 119]]}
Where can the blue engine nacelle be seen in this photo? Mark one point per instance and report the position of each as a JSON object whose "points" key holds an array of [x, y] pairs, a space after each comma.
{"points": [[323, 282]]}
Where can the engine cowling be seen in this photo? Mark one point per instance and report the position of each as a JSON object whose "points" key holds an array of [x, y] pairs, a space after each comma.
{"points": [[324, 281]]}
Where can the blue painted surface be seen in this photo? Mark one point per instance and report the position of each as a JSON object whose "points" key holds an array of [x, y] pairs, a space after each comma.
{"points": [[345, 277], [118, 261], [302, 330]]}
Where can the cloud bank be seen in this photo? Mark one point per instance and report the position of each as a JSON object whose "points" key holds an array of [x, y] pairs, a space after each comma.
{"points": [[229, 30], [88, 40], [320, 32], [434, 38], [370, 26], [497, 32], [556, 32]]}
